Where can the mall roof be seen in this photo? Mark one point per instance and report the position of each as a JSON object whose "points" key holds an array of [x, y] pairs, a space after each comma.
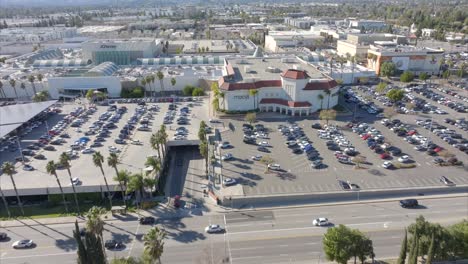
{"points": [[60, 63], [104, 69], [13, 116], [185, 60]]}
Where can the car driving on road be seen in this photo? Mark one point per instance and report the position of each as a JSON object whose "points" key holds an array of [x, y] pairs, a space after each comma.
{"points": [[321, 221], [25, 243], [212, 229]]}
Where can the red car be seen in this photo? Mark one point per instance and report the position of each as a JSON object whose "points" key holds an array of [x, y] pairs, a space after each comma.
{"points": [[384, 156], [412, 132], [438, 149], [365, 137]]}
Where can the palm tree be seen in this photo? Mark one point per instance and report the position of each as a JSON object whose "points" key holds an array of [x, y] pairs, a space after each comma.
{"points": [[13, 84], [150, 183], [122, 178], [154, 142], [5, 202], [328, 92], [94, 223], [23, 87], [39, 78], [31, 79], [98, 159], [135, 184], [143, 83], [173, 82], [160, 76], [154, 163], [152, 82], [163, 136], [154, 244], [148, 81], [320, 97], [51, 168], [65, 161], [222, 95], [2, 92], [253, 92], [9, 169]]}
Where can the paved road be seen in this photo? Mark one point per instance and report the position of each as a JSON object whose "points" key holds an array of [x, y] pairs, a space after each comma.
{"points": [[267, 236]]}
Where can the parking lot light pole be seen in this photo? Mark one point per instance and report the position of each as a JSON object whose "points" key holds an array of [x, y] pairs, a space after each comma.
{"points": [[20, 150]]}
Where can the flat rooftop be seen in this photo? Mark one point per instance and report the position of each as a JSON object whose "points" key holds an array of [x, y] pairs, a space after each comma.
{"points": [[258, 69]]}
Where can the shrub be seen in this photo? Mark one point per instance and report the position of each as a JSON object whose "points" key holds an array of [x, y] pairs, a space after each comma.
{"points": [[407, 77], [137, 92], [198, 92], [188, 90], [400, 165]]}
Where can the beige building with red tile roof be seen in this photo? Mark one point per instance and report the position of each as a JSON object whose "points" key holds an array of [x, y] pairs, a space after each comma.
{"points": [[286, 85]]}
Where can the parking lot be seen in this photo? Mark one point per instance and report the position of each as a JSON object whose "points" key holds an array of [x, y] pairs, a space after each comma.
{"points": [[132, 155], [297, 175]]}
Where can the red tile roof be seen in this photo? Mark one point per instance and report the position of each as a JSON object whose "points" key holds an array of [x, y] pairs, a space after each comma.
{"points": [[284, 102], [322, 85], [295, 74], [230, 70], [247, 86]]}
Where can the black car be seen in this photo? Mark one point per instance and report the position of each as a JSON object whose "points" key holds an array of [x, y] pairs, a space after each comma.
{"points": [[250, 141], [263, 149], [3, 236], [344, 185], [99, 139], [317, 126], [297, 151], [147, 220], [113, 244], [409, 203], [119, 141], [96, 145]]}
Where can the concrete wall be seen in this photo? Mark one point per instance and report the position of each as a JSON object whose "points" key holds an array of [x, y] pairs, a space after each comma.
{"points": [[58, 84], [344, 196]]}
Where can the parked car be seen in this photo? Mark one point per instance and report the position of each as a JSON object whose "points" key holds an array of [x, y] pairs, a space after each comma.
{"points": [[229, 181], [275, 167], [147, 220], [446, 181], [227, 156], [113, 244]]}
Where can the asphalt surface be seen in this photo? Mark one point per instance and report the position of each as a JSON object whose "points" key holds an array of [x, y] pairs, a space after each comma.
{"points": [[266, 236]]}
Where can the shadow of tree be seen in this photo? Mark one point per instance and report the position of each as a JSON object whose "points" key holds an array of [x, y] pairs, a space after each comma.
{"points": [[188, 236], [247, 182], [242, 166], [286, 176], [124, 238], [172, 223], [66, 244], [376, 172], [251, 176]]}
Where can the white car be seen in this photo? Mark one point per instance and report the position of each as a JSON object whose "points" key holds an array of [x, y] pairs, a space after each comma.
{"points": [[274, 167], [404, 158], [136, 142], [387, 165], [322, 221], [75, 181], [227, 156], [113, 149], [28, 167], [262, 135], [229, 181], [25, 243], [263, 144], [179, 137], [214, 229], [87, 151], [256, 157]]}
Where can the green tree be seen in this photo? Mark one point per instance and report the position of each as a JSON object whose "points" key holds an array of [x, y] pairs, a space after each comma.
{"points": [[31, 79], [154, 163], [320, 97], [198, 92], [446, 74], [13, 84], [9, 169], [128, 260], [154, 142], [251, 118], [423, 76], [387, 69], [407, 77], [173, 82], [94, 222], [5, 204], [253, 93], [404, 245], [203, 147], [98, 160], [395, 95], [64, 160], [188, 90], [143, 83], [82, 252], [154, 244], [381, 87], [337, 243], [160, 76], [202, 131], [430, 253], [163, 137], [135, 184], [459, 244], [120, 176], [23, 87], [327, 115], [51, 168], [39, 78]]}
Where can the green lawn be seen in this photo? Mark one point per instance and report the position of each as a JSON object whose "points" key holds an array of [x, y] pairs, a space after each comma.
{"points": [[41, 211]]}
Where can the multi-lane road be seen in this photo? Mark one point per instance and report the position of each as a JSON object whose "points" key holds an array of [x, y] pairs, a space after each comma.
{"points": [[262, 236]]}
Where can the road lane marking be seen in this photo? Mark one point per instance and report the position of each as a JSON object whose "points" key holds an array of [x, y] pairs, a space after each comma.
{"points": [[43, 255], [226, 238], [133, 242], [253, 257], [248, 248]]}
